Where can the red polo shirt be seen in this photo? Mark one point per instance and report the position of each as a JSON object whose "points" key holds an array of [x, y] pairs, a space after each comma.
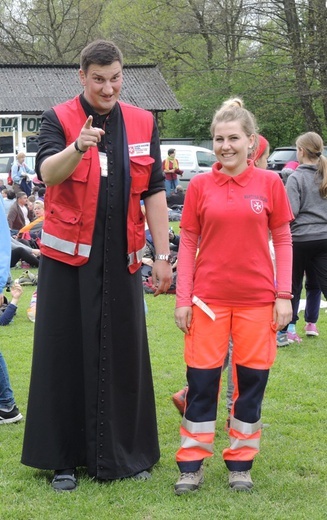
{"points": [[232, 216]]}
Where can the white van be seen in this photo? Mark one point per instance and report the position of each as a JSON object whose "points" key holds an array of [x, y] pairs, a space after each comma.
{"points": [[192, 160]]}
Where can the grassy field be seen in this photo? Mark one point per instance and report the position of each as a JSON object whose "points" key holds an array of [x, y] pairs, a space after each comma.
{"points": [[290, 473]]}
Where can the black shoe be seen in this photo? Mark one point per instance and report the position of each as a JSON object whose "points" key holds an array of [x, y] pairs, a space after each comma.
{"points": [[142, 475], [11, 416], [64, 480]]}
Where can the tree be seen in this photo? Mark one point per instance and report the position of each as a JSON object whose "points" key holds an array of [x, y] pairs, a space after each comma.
{"points": [[47, 31]]}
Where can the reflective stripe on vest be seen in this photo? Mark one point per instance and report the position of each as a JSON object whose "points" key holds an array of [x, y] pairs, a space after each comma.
{"points": [[64, 245], [139, 255]]}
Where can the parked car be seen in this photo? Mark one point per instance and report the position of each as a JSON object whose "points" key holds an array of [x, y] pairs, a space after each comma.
{"points": [[6, 161], [192, 160], [282, 155]]}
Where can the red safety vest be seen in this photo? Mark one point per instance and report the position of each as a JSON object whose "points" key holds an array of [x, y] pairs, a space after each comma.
{"points": [[70, 207]]}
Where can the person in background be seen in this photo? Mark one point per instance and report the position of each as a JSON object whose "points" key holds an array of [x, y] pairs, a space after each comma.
{"points": [[100, 413], [2, 185], [171, 169], [31, 233], [260, 152], [24, 253], [19, 215], [288, 169], [9, 412], [307, 191], [232, 209], [19, 174], [177, 197], [8, 199], [41, 193]]}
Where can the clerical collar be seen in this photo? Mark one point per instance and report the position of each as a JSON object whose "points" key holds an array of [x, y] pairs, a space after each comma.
{"points": [[98, 120]]}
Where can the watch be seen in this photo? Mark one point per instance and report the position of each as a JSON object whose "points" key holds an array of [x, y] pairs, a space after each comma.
{"points": [[77, 148], [166, 258]]}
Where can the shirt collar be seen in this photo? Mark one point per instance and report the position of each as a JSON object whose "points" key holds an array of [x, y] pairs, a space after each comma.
{"points": [[242, 179]]}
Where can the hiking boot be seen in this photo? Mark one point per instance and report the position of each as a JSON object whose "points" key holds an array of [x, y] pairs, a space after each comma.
{"points": [[179, 400], [282, 339], [11, 416], [294, 337], [240, 480], [311, 329], [189, 482]]}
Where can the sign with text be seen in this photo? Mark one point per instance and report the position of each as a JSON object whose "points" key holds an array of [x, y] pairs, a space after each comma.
{"points": [[30, 124]]}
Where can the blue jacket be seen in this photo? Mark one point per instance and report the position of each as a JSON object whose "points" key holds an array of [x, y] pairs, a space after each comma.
{"points": [[5, 248], [7, 316]]}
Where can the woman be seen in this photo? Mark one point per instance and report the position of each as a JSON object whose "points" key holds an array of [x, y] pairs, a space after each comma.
{"points": [[307, 191], [259, 155], [19, 174], [31, 233], [228, 213]]}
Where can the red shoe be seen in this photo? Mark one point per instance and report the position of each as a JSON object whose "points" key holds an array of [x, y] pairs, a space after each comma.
{"points": [[179, 400]]}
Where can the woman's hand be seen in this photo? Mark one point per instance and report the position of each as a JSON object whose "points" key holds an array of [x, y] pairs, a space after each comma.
{"points": [[183, 318], [282, 313]]}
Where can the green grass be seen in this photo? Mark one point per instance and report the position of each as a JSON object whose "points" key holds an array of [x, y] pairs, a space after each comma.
{"points": [[290, 473]]}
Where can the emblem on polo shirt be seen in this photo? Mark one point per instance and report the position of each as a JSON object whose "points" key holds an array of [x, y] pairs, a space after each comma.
{"points": [[257, 206]]}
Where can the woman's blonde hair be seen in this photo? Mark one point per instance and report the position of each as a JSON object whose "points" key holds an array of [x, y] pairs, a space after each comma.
{"points": [[20, 155], [233, 110], [313, 145]]}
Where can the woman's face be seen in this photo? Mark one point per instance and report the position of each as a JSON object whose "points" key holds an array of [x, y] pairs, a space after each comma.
{"points": [[231, 147], [38, 210]]}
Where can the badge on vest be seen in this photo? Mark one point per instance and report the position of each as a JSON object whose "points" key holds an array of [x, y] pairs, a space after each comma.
{"points": [[139, 149], [103, 164]]}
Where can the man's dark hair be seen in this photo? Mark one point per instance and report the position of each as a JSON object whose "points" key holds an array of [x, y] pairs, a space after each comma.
{"points": [[41, 192], [100, 52], [11, 194], [20, 194]]}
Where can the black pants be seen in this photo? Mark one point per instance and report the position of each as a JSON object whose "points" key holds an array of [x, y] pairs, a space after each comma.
{"points": [[20, 253], [309, 257]]}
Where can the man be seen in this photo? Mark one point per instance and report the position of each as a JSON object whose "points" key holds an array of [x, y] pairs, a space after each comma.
{"points": [[171, 169], [91, 399], [19, 215]]}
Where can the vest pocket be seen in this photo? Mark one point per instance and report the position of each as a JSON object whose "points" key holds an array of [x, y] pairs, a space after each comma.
{"points": [[62, 227], [141, 167]]}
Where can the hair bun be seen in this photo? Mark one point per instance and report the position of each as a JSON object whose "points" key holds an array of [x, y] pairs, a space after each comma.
{"points": [[233, 102]]}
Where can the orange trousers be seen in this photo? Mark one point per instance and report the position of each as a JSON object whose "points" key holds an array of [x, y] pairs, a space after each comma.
{"points": [[254, 351]]}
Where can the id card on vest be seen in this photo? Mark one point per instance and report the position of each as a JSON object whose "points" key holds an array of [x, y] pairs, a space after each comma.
{"points": [[103, 164]]}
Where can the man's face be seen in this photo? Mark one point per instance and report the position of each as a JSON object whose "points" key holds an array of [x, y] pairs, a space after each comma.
{"points": [[102, 85], [22, 201]]}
